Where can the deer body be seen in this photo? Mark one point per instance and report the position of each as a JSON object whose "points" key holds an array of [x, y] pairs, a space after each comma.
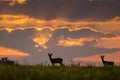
{"points": [[106, 63], [55, 60]]}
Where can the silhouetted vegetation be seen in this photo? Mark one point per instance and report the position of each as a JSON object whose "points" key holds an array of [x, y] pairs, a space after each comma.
{"points": [[9, 71], [40, 72]]}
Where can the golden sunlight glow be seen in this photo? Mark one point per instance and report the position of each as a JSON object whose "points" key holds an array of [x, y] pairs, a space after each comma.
{"points": [[14, 22], [10, 52], [73, 42], [22, 21], [10, 19], [13, 2], [20, 1], [9, 30], [41, 39]]}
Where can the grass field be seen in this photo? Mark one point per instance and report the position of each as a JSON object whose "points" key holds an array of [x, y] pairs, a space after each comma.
{"points": [[27, 72]]}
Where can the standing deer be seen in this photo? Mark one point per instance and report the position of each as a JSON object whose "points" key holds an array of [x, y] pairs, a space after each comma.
{"points": [[55, 60], [106, 63]]}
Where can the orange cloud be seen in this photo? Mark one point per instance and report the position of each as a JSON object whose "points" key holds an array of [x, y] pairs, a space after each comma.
{"points": [[11, 52], [110, 42], [109, 26], [13, 22], [73, 42], [13, 2], [42, 38]]}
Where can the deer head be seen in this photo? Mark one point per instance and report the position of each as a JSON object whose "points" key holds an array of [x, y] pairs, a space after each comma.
{"points": [[102, 56], [50, 54]]}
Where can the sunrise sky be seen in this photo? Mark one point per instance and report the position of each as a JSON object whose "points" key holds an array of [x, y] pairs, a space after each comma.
{"points": [[78, 30]]}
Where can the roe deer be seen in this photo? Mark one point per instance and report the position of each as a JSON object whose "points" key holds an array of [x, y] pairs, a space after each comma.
{"points": [[4, 60], [106, 63], [55, 60]]}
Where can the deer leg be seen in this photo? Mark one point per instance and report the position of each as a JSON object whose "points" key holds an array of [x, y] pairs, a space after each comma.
{"points": [[53, 64], [61, 64]]}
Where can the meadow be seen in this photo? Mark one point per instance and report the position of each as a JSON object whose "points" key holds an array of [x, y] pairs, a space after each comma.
{"points": [[40, 72]]}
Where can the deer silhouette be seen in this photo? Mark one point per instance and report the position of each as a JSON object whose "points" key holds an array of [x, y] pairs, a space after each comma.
{"points": [[106, 63], [4, 60], [55, 60]]}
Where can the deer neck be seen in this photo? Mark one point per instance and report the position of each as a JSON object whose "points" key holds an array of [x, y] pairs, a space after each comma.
{"points": [[102, 60], [50, 58]]}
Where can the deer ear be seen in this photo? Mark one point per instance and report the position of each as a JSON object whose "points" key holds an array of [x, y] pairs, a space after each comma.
{"points": [[103, 55]]}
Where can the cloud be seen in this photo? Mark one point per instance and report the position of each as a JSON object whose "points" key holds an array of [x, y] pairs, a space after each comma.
{"points": [[89, 32], [111, 42], [13, 2], [89, 36], [99, 10], [41, 38], [21, 22], [11, 52], [74, 42], [60, 27], [23, 40], [19, 40]]}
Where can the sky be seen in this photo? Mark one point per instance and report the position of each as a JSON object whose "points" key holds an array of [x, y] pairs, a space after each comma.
{"points": [[75, 30]]}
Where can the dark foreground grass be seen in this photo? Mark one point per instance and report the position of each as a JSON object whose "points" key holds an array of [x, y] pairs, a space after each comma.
{"points": [[8, 72]]}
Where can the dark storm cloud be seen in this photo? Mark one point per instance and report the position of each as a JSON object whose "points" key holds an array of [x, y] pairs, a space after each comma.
{"points": [[70, 9], [18, 39], [82, 33], [92, 43]]}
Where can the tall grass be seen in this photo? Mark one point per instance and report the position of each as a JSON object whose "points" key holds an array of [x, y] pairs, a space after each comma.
{"points": [[40, 72]]}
